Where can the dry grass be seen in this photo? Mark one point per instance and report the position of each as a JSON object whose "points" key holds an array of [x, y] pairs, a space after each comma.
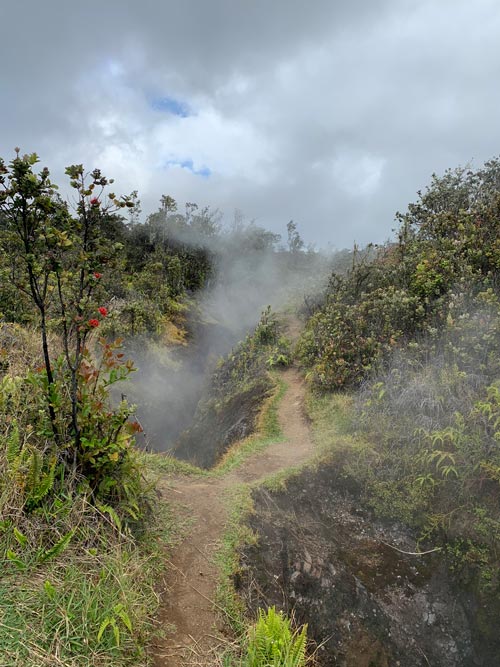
{"points": [[21, 349]]}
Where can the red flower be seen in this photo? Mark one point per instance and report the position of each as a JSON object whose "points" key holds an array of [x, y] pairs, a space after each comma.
{"points": [[103, 311], [97, 275], [93, 323], [94, 201]]}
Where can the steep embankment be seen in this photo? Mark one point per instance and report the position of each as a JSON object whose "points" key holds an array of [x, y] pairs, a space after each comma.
{"points": [[361, 586], [191, 620]]}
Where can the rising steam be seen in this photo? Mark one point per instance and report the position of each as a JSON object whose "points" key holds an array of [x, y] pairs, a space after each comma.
{"points": [[250, 274]]}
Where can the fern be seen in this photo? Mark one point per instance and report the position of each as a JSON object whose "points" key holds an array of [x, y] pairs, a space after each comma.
{"points": [[58, 547], [45, 483], [272, 643], [296, 655], [115, 519], [14, 558], [13, 444], [34, 471], [38, 481]]}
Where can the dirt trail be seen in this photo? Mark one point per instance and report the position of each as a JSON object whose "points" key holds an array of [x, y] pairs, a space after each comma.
{"points": [[192, 625]]}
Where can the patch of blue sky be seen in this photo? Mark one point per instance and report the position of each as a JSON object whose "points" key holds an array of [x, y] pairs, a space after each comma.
{"points": [[202, 171], [170, 105]]}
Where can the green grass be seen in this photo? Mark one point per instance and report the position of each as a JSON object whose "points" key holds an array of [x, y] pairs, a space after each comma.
{"points": [[268, 432], [169, 465], [239, 504], [278, 481], [332, 426], [330, 417], [94, 605]]}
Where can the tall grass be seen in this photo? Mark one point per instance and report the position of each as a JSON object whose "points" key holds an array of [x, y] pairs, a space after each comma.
{"points": [[77, 588]]}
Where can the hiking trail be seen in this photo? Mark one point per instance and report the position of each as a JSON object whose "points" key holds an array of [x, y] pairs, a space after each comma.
{"points": [[189, 618]]}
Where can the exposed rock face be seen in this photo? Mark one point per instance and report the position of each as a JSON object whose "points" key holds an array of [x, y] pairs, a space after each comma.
{"points": [[220, 423], [324, 559]]}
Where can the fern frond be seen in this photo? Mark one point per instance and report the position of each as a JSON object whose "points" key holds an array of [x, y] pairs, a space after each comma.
{"points": [[45, 483], [34, 471], [272, 643], [58, 547], [13, 444]]}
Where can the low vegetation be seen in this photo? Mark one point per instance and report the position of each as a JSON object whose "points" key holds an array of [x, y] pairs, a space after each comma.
{"points": [[272, 642], [229, 408], [78, 569], [88, 600], [414, 331]]}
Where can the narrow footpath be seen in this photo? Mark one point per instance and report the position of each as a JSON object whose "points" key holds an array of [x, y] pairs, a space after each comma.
{"points": [[190, 620]]}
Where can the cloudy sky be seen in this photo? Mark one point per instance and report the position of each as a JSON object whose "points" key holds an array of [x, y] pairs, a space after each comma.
{"points": [[331, 113]]}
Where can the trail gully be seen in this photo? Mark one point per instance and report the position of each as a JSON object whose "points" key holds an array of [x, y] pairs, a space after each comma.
{"points": [[190, 620]]}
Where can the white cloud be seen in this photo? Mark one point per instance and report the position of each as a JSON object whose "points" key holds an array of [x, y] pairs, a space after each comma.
{"points": [[357, 174], [330, 114]]}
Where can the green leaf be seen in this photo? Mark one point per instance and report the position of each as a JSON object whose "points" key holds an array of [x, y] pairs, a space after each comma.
{"points": [[122, 614], [116, 632], [115, 519], [14, 558], [50, 590], [5, 525], [13, 444], [20, 538], [102, 628], [58, 547]]}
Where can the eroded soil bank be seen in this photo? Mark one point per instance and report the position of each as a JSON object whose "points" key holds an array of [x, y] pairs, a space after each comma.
{"points": [[324, 559]]}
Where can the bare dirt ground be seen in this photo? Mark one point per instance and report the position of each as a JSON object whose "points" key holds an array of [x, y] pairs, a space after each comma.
{"points": [[192, 623]]}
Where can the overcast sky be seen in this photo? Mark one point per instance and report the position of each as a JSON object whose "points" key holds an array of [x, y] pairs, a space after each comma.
{"points": [[331, 113]]}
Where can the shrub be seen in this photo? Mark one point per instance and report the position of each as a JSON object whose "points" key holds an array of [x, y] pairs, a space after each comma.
{"points": [[433, 417], [345, 341], [271, 642], [448, 248], [57, 261]]}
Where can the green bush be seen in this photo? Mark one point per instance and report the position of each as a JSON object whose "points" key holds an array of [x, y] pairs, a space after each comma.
{"points": [[448, 249], [345, 341], [433, 417], [281, 353]]}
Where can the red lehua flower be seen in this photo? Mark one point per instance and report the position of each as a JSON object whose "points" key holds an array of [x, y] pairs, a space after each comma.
{"points": [[93, 323], [94, 201], [103, 311], [97, 275]]}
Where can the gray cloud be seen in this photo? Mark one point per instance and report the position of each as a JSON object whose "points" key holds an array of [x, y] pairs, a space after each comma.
{"points": [[332, 114]]}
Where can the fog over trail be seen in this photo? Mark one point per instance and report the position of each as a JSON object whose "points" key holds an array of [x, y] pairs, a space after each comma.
{"points": [[170, 379]]}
